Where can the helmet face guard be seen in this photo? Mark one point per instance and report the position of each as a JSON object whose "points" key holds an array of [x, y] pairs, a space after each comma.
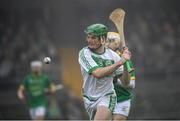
{"points": [[113, 40]]}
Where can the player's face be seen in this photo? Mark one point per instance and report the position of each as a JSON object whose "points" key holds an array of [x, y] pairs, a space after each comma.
{"points": [[36, 69], [113, 45], [93, 41]]}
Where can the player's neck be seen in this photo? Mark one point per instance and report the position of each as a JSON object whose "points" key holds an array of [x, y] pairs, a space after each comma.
{"points": [[37, 73], [100, 50]]}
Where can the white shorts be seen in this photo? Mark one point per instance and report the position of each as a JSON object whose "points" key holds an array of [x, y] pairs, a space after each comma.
{"points": [[37, 112], [123, 108], [108, 101]]}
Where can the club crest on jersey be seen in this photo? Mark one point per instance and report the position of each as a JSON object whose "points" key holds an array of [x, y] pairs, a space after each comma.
{"points": [[108, 62], [100, 62]]}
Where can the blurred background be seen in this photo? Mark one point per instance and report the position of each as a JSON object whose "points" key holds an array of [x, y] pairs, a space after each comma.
{"points": [[33, 29]]}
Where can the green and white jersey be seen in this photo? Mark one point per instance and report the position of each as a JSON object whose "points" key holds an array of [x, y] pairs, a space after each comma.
{"points": [[94, 88], [35, 87], [122, 93]]}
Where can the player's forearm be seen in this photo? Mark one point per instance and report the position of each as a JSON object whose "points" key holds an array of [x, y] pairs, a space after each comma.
{"points": [[52, 88], [105, 71], [126, 77], [20, 93]]}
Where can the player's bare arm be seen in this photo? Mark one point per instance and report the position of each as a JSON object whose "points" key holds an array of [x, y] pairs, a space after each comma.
{"points": [[126, 76], [20, 92], [105, 71], [53, 88]]}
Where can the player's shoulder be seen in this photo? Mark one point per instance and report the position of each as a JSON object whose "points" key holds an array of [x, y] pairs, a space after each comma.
{"points": [[111, 51], [28, 77], [84, 51], [44, 76], [113, 54]]}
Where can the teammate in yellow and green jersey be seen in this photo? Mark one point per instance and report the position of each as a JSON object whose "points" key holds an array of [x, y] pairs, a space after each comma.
{"points": [[124, 93], [33, 89]]}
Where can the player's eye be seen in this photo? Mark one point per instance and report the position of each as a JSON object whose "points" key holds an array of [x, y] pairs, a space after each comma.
{"points": [[91, 37], [111, 40]]}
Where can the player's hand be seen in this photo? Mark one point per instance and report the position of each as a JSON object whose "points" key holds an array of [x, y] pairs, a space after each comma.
{"points": [[53, 88], [126, 54], [21, 96], [124, 49]]}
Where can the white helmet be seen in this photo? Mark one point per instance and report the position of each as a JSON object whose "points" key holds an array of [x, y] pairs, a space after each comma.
{"points": [[113, 36], [35, 64]]}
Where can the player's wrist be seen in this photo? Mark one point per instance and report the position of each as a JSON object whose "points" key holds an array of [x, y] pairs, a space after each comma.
{"points": [[121, 62]]}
